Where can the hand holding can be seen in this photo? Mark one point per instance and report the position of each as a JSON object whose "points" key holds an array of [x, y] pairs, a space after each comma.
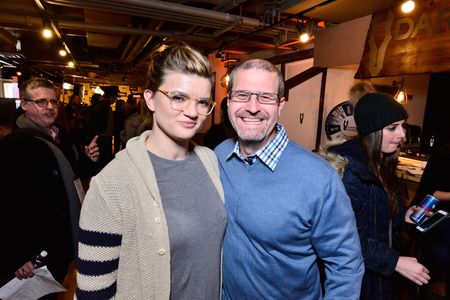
{"points": [[426, 205]]}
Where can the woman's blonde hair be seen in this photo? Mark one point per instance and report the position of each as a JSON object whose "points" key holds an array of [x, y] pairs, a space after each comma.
{"points": [[177, 57]]}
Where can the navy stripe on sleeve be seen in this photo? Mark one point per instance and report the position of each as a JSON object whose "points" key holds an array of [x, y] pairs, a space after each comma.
{"points": [[97, 268], [107, 293], [100, 239]]}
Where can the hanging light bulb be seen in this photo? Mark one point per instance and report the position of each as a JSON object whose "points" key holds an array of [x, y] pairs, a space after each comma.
{"points": [[305, 28], [408, 6], [401, 96], [47, 33], [304, 37]]}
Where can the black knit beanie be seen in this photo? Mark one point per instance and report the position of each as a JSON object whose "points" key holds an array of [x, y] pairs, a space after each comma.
{"points": [[374, 111]]}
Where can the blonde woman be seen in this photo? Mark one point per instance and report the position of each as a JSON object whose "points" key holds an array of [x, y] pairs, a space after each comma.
{"points": [[153, 220]]}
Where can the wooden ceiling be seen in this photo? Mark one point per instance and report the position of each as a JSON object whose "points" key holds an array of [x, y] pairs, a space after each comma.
{"points": [[112, 40]]}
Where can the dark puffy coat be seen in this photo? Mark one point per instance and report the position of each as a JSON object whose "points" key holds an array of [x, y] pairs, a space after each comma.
{"points": [[371, 206]]}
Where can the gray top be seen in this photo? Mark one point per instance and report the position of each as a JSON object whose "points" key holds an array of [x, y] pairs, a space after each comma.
{"points": [[196, 221]]}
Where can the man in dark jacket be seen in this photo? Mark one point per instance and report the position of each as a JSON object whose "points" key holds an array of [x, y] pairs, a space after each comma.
{"points": [[40, 209], [101, 123]]}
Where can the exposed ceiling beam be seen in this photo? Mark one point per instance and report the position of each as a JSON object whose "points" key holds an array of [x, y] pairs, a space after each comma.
{"points": [[161, 10], [8, 38], [55, 28]]}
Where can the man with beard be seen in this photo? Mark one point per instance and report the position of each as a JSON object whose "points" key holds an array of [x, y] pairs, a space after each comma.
{"points": [[287, 208]]}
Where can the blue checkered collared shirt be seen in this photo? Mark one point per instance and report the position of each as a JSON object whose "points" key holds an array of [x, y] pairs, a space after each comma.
{"points": [[270, 154]]}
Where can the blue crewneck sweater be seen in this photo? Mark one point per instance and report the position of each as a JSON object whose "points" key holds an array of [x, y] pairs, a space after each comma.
{"points": [[280, 221]]}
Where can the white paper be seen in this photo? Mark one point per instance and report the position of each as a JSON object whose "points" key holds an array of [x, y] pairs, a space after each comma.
{"points": [[41, 284], [80, 189]]}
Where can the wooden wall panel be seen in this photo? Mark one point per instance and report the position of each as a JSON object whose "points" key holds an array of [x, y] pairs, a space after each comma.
{"points": [[399, 44]]}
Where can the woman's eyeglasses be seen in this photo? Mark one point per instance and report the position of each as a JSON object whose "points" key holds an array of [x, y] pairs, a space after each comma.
{"points": [[179, 101]]}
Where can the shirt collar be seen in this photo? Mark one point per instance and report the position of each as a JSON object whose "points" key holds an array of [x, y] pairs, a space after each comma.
{"points": [[270, 154], [53, 131]]}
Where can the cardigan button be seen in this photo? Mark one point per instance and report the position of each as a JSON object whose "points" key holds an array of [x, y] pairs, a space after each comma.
{"points": [[161, 251], [157, 220]]}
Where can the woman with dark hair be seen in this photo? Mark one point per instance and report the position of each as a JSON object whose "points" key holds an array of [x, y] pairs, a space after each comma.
{"points": [[153, 220], [375, 193]]}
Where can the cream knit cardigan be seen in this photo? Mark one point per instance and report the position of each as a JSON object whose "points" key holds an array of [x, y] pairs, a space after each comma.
{"points": [[124, 199]]}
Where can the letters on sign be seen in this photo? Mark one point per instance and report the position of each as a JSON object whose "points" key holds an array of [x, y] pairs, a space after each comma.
{"points": [[399, 44]]}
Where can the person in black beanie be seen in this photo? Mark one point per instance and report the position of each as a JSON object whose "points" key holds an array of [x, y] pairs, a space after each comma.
{"points": [[375, 192]]}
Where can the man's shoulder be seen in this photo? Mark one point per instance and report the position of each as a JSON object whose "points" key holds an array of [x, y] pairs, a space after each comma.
{"points": [[301, 158], [23, 135], [224, 149], [299, 153], [19, 148]]}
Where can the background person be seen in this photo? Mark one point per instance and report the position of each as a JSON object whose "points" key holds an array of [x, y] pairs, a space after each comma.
{"points": [[287, 208], [134, 123], [374, 190], [75, 112], [435, 244], [40, 209], [7, 117], [358, 90], [100, 122], [119, 124], [131, 106], [153, 220]]}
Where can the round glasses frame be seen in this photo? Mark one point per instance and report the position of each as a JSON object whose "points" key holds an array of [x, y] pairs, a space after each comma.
{"points": [[179, 101]]}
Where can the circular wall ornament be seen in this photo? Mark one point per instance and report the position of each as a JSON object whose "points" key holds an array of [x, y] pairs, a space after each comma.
{"points": [[340, 123]]}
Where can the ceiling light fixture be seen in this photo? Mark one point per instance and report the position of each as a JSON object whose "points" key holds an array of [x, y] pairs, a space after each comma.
{"points": [[281, 38], [401, 96], [228, 63], [408, 6], [62, 52], [47, 33], [306, 28], [304, 37]]}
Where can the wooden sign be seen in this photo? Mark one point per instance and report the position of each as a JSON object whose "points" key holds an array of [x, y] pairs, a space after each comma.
{"points": [[402, 44]]}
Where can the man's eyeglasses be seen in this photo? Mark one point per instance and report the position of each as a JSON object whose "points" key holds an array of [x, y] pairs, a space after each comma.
{"points": [[179, 101], [244, 96], [43, 102]]}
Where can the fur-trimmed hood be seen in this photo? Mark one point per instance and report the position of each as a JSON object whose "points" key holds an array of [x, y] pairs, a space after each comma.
{"points": [[338, 162]]}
